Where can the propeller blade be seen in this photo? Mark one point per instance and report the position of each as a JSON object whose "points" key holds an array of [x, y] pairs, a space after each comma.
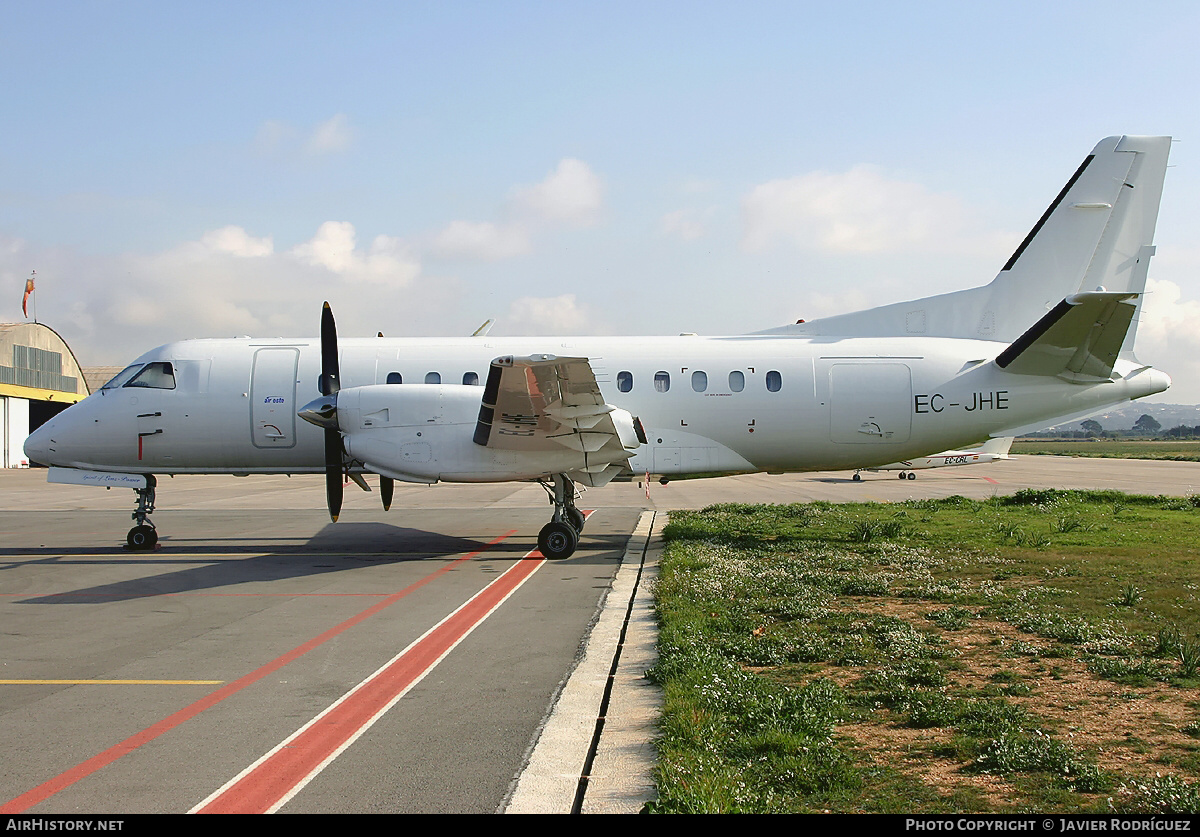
{"points": [[330, 379], [333, 473], [387, 486], [329, 387]]}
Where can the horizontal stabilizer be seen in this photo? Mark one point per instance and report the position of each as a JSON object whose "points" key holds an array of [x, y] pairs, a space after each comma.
{"points": [[1079, 339], [999, 445]]}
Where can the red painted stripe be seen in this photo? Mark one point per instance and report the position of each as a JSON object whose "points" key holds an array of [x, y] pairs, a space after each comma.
{"points": [[276, 777], [47, 789]]}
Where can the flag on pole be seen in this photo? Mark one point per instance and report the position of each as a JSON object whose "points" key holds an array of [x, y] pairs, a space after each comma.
{"points": [[28, 291]]}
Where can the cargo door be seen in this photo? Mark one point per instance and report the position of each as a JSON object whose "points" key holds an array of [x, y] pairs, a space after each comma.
{"points": [[870, 403], [273, 397]]}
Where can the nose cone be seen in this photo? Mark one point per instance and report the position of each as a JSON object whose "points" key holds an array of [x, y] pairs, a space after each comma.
{"points": [[39, 447]]}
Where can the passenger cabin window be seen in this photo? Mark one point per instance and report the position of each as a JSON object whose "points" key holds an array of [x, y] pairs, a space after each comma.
{"points": [[662, 381], [471, 379], [159, 375], [433, 377], [624, 381], [737, 381], [395, 378], [774, 381], [122, 377], [699, 381]]}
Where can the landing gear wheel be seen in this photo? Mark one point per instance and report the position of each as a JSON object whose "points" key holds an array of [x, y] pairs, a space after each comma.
{"points": [[911, 475], [857, 477], [557, 540], [902, 475], [575, 518], [141, 537]]}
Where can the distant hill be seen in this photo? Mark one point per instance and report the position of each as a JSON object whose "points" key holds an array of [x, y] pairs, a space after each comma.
{"points": [[1123, 418]]}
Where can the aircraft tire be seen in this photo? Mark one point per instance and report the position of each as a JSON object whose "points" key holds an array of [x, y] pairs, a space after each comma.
{"points": [[857, 477], [911, 475], [557, 540], [576, 519], [142, 537]]}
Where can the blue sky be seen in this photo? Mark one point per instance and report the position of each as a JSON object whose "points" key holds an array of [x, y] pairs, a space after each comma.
{"points": [[180, 170]]}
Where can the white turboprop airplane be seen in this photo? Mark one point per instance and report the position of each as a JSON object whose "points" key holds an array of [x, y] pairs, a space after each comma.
{"points": [[1050, 336], [989, 451]]}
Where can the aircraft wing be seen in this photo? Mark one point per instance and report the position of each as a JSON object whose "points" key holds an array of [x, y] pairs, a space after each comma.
{"points": [[546, 403]]}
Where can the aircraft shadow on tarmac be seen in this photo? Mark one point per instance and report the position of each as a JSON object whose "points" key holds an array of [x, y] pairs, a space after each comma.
{"points": [[336, 548]]}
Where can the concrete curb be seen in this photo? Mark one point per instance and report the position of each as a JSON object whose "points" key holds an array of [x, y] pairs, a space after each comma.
{"points": [[620, 779]]}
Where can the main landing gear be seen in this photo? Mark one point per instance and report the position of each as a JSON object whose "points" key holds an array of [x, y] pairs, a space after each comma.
{"points": [[560, 537], [143, 536]]}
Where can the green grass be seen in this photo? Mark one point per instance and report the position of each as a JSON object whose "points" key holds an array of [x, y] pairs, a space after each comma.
{"points": [[1111, 448], [781, 627]]}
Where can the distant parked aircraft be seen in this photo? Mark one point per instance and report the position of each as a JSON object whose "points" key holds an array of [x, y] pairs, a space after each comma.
{"points": [[992, 450]]}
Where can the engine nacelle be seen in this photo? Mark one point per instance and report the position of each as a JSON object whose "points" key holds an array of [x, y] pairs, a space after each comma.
{"points": [[424, 433]]}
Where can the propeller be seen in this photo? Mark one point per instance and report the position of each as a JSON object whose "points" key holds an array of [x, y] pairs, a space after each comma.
{"points": [[329, 388], [323, 413]]}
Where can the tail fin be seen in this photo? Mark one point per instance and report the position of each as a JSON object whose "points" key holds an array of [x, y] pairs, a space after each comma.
{"points": [[1096, 235], [998, 445]]}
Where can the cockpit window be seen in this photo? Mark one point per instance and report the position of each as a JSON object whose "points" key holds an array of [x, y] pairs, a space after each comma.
{"points": [[122, 376], [158, 375]]}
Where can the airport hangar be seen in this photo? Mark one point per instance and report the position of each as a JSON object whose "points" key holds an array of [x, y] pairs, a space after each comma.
{"points": [[39, 378]]}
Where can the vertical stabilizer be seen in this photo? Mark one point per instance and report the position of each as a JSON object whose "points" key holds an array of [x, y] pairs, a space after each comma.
{"points": [[1097, 234]]}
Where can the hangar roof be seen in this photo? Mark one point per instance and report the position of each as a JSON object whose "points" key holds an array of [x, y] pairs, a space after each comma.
{"points": [[36, 363]]}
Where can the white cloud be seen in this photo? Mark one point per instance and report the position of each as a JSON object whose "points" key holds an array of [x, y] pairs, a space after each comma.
{"points": [[335, 249], [237, 242], [330, 136], [1167, 338], [272, 136], [685, 224], [481, 240], [276, 137], [546, 315], [230, 282], [860, 211], [571, 194]]}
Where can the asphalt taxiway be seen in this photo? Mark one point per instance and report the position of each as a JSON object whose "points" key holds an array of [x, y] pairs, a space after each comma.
{"points": [[422, 660]]}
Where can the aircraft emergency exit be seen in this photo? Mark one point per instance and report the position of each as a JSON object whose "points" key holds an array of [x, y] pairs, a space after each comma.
{"points": [[989, 451], [1052, 335]]}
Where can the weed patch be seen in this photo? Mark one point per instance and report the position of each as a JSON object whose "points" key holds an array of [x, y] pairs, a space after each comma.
{"points": [[931, 656]]}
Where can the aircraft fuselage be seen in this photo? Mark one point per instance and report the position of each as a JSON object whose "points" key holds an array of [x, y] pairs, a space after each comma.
{"points": [[709, 405]]}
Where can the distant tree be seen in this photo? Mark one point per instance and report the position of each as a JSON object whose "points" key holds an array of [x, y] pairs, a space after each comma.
{"points": [[1147, 425], [1092, 427]]}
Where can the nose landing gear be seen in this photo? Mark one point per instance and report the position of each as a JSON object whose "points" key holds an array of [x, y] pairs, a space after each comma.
{"points": [[143, 536]]}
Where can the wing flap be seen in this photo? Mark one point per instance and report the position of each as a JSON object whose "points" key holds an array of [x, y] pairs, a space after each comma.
{"points": [[545, 403]]}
